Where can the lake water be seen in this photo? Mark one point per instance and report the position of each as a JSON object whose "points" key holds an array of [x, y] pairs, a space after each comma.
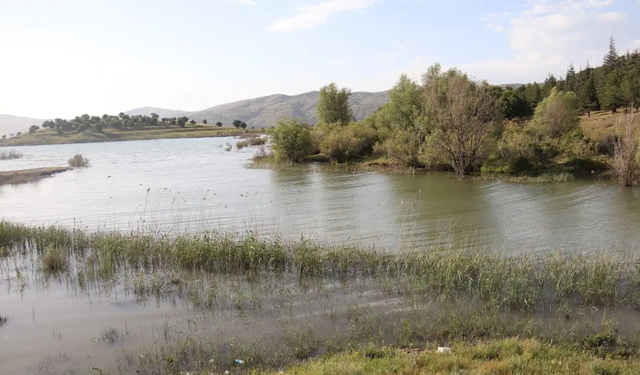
{"points": [[193, 185]]}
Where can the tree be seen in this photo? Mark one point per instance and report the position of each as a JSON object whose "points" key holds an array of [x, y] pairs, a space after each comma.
{"points": [[611, 58], [333, 105], [33, 129], [513, 105], [464, 115], [403, 111], [291, 140], [548, 85], [219, 124], [557, 114], [611, 93], [243, 125], [532, 94], [204, 121], [237, 123], [192, 122], [98, 128], [570, 79], [625, 154], [588, 95], [4, 136]]}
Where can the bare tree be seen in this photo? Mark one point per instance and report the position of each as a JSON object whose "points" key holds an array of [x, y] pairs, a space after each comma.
{"points": [[463, 116], [625, 150]]}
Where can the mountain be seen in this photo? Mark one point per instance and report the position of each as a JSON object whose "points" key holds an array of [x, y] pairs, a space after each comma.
{"points": [[267, 110], [12, 124], [162, 112]]}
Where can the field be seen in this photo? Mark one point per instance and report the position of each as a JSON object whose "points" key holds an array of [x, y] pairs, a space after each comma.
{"points": [[48, 136]]}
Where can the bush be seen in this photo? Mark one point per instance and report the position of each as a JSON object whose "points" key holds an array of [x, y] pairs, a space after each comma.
{"points": [[557, 114], [291, 140], [9, 155], [254, 141], [54, 261], [345, 143], [79, 161], [403, 146]]}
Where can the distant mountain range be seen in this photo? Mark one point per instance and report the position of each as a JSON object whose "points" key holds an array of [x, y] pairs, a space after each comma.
{"points": [[266, 111], [10, 124], [259, 112]]}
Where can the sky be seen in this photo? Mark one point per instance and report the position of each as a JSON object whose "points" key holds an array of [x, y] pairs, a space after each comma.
{"points": [[68, 57]]}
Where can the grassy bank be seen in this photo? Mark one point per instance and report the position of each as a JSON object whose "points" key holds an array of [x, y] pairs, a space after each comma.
{"points": [[273, 303], [511, 356], [49, 136], [28, 175]]}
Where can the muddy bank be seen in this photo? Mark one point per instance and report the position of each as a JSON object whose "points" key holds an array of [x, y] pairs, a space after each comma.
{"points": [[29, 175]]}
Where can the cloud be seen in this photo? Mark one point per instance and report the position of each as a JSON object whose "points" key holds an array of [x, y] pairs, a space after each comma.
{"points": [[403, 49], [635, 44], [245, 2], [311, 16], [548, 36], [493, 21]]}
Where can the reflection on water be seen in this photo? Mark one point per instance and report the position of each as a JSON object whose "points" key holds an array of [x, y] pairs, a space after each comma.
{"points": [[195, 185]]}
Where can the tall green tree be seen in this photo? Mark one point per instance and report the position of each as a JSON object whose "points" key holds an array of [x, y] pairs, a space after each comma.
{"points": [[588, 95], [237, 123], [532, 94], [548, 85], [333, 105], [611, 93], [611, 58]]}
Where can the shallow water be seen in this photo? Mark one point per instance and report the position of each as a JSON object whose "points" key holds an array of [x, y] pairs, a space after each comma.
{"points": [[195, 185]]}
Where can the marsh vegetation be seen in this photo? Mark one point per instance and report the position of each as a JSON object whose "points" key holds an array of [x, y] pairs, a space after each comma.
{"points": [[273, 303]]}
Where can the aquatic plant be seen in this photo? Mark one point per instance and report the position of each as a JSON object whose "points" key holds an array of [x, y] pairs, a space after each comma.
{"points": [[78, 161], [11, 154]]}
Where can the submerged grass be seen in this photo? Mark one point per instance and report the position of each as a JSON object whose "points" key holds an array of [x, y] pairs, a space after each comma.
{"points": [[279, 303], [11, 154]]}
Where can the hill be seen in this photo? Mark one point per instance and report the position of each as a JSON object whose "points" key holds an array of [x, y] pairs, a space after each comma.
{"points": [[12, 124], [265, 111], [162, 112]]}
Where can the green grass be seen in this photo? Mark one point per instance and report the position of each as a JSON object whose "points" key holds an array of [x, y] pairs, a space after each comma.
{"points": [[510, 356], [48, 136]]}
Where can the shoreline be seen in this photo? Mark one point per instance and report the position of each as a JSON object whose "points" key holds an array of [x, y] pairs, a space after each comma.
{"points": [[48, 137], [24, 176]]}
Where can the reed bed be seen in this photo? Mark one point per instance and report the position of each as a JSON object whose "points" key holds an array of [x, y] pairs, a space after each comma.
{"points": [[273, 303]]}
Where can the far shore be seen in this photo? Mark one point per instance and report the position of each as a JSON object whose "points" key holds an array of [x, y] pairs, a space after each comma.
{"points": [[29, 175], [50, 137]]}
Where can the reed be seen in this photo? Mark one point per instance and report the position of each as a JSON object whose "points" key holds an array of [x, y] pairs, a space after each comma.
{"points": [[10, 155]]}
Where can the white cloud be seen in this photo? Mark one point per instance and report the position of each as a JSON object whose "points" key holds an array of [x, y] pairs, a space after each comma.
{"points": [[316, 15], [245, 2], [549, 36], [636, 43], [494, 21]]}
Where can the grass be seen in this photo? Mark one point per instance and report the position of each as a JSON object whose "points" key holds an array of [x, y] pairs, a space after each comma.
{"points": [[48, 136], [11, 154], [79, 161], [274, 303], [510, 356], [28, 175], [543, 178], [253, 141]]}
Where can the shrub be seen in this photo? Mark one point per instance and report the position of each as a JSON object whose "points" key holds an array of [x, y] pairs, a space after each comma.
{"points": [[291, 140], [625, 154], [344, 143], [11, 154], [403, 146], [79, 161], [54, 261], [557, 114]]}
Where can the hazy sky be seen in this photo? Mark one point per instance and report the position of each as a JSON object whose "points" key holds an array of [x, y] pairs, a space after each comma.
{"points": [[67, 57]]}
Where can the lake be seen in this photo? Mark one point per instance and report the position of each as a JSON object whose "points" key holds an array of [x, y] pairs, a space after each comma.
{"points": [[194, 185]]}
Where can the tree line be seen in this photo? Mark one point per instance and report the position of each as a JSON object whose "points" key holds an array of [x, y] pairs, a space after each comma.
{"points": [[449, 121], [122, 121]]}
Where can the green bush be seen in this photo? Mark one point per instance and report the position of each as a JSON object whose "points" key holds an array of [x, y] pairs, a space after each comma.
{"points": [[403, 146], [291, 140], [79, 161], [345, 143]]}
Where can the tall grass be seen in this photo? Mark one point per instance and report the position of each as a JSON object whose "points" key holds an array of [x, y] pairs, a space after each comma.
{"points": [[11, 154]]}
